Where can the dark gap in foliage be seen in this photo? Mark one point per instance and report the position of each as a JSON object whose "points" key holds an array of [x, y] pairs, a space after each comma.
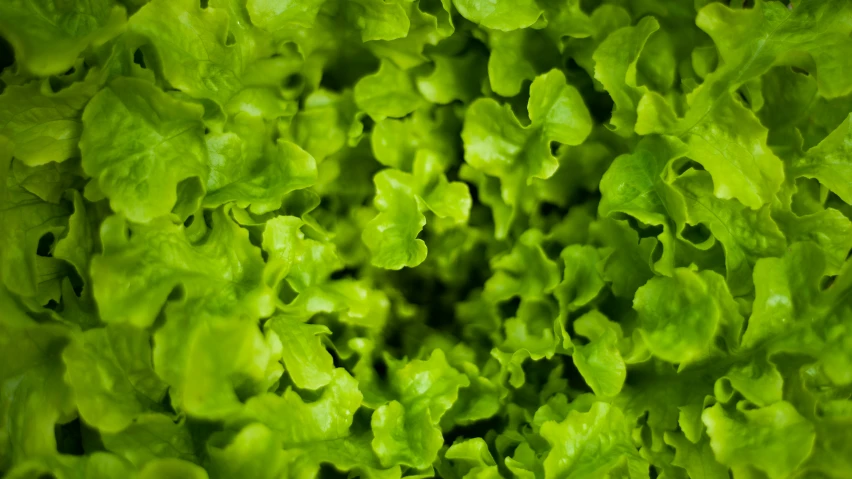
{"points": [[546, 208], [800, 71], [208, 218], [683, 165], [55, 84], [476, 429], [554, 147], [139, 58], [203, 3], [520, 102], [696, 234], [744, 98], [368, 123], [69, 439], [45, 245], [508, 309], [7, 54], [177, 293], [230, 39], [826, 282], [52, 305], [344, 273], [600, 104], [336, 360], [573, 376], [645, 231], [381, 368], [293, 81], [393, 338], [188, 222], [652, 472], [77, 283], [206, 130], [327, 471], [166, 402]]}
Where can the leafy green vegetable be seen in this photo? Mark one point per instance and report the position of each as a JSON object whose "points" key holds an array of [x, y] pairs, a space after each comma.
{"points": [[287, 239]]}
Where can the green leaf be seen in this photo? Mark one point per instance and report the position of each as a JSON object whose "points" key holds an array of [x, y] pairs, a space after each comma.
{"points": [[588, 444], [273, 16], [784, 287], [472, 460], [48, 37], [525, 271], [35, 399], [297, 422], [581, 281], [401, 199], [304, 262], [500, 14], [111, 374], [305, 358], [406, 429], [254, 452], [26, 218], [389, 92], [697, 459], [745, 234], [172, 467], [518, 56], [681, 315], [135, 275], [774, 439], [44, 126], [263, 181], [453, 78], [829, 162], [140, 143], [149, 437], [730, 143], [599, 361], [98, 465], [750, 41], [497, 144], [615, 67], [192, 46]]}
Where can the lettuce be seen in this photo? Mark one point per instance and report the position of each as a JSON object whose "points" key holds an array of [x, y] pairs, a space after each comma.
{"points": [[425, 238]]}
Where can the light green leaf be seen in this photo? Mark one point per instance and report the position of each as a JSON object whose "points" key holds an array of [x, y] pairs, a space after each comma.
{"points": [[745, 234], [829, 162], [305, 358], [44, 126], [389, 92], [111, 374], [587, 444], [140, 144], [615, 67], [525, 271], [600, 362], [496, 143], [681, 315], [299, 423], [48, 36], [774, 439], [406, 429], [193, 48], [149, 437], [500, 14], [135, 275]]}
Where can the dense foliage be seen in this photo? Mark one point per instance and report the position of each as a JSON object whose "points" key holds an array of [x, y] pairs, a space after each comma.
{"points": [[456, 238]]}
